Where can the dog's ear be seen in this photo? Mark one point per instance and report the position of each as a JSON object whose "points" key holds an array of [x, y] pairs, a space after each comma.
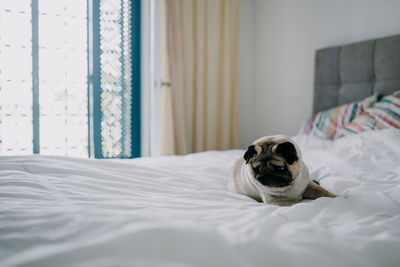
{"points": [[288, 151], [249, 153]]}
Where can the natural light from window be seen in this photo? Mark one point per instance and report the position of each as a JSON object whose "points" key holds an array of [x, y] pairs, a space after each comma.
{"points": [[63, 77], [62, 35], [15, 77]]}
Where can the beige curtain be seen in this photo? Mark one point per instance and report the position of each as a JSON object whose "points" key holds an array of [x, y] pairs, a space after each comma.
{"points": [[201, 64]]}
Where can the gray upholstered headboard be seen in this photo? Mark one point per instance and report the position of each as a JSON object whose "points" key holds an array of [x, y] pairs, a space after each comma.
{"points": [[352, 72]]}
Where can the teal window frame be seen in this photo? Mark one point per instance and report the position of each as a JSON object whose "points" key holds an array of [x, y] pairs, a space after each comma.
{"points": [[94, 79]]}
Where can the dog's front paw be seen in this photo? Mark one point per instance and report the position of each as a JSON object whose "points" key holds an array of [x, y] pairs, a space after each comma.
{"points": [[314, 191], [284, 202]]}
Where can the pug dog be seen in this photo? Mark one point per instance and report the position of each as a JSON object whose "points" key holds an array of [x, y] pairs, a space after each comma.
{"points": [[272, 171]]}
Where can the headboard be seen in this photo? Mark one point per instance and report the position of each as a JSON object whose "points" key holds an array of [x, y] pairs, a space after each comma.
{"points": [[352, 72]]}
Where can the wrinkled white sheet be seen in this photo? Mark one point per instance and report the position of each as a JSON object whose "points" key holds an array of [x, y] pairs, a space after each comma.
{"points": [[176, 211]]}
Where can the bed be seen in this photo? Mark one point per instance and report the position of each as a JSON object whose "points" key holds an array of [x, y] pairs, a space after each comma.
{"points": [[176, 210]]}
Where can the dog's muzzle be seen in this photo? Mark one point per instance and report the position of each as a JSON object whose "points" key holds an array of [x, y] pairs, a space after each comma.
{"points": [[274, 175]]}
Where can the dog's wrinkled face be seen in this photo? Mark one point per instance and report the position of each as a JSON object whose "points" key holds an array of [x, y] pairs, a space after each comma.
{"points": [[273, 163]]}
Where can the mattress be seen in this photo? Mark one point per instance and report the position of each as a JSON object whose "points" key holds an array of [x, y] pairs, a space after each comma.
{"points": [[176, 210]]}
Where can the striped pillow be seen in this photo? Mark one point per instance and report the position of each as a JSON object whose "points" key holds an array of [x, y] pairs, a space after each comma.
{"points": [[384, 114], [325, 123]]}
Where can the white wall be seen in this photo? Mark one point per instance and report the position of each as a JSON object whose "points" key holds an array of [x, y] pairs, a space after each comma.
{"points": [[279, 39]]}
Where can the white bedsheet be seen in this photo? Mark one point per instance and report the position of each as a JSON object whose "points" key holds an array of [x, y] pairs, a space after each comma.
{"points": [[176, 211]]}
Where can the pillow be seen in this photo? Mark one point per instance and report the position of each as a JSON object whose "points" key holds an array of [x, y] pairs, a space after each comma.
{"points": [[325, 123], [384, 114]]}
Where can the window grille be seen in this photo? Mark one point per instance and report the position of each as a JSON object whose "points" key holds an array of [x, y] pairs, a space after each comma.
{"points": [[118, 76]]}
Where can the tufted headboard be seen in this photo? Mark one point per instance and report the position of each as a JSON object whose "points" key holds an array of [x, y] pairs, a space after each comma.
{"points": [[352, 72]]}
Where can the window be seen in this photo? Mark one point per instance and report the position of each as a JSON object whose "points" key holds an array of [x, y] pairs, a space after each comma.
{"points": [[15, 78], [62, 70], [70, 77]]}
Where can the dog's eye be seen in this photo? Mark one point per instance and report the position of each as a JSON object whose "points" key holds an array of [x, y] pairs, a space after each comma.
{"points": [[279, 168], [257, 169]]}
